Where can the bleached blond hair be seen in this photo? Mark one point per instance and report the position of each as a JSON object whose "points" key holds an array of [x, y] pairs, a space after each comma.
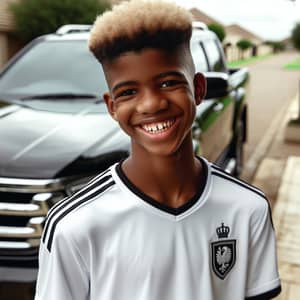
{"points": [[138, 24]]}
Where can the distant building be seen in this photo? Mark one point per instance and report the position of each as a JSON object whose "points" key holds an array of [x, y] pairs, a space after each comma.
{"points": [[287, 43], [234, 33], [203, 17], [9, 45]]}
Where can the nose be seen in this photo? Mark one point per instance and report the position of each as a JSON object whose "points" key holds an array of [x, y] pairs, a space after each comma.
{"points": [[151, 102]]}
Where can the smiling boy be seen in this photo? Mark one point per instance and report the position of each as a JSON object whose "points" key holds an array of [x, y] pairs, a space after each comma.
{"points": [[162, 224]]}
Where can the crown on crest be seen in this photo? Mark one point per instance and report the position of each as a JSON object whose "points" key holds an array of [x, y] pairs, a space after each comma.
{"points": [[223, 231]]}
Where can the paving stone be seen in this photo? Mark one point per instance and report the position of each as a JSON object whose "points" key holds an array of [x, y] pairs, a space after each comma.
{"points": [[292, 170], [268, 177], [289, 272], [294, 292], [285, 285], [286, 217]]}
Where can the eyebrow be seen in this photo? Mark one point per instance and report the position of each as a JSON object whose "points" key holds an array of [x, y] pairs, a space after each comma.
{"points": [[159, 76], [170, 73], [121, 84]]}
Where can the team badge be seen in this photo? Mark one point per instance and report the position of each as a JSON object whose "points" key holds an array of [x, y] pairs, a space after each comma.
{"points": [[223, 252]]}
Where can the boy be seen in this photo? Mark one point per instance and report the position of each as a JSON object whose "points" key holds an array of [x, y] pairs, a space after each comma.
{"points": [[162, 224]]}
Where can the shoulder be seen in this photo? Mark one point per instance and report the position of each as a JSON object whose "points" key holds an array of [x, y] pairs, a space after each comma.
{"points": [[245, 194], [235, 183], [246, 200], [71, 215]]}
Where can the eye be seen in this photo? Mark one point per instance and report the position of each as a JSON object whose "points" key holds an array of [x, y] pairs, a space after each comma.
{"points": [[169, 83], [125, 93]]}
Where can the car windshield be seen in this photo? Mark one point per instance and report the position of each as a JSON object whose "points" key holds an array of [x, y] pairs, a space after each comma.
{"points": [[54, 67]]}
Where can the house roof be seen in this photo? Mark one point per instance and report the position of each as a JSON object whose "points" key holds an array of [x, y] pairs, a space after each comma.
{"points": [[203, 17], [6, 18], [236, 29]]}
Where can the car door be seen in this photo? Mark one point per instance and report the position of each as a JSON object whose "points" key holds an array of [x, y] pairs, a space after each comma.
{"points": [[212, 130]]}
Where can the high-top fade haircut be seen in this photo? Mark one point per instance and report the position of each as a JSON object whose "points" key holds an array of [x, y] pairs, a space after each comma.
{"points": [[138, 24]]}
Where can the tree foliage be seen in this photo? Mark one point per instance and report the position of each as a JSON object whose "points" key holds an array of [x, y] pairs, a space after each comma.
{"points": [[218, 29], [37, 17], [244, 44], [276, 46], [296, 36]]}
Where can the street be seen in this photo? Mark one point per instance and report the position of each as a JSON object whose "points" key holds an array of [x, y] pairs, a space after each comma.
{"points": [[270, 91]]}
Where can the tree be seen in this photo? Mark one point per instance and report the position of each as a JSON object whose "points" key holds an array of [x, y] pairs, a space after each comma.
{"points": [[296, 36], [243, 45], [276, 46], [37, 17], [218, 30]]}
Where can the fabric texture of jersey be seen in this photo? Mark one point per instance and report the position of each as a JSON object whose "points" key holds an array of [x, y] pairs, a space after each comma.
{"points": [[110, 241]]}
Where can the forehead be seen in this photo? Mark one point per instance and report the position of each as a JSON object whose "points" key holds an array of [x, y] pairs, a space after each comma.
{"points": [[133, 65]]}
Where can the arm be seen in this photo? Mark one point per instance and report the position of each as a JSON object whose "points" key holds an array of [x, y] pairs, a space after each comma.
{"points": [[62, 272], [263, 280]]}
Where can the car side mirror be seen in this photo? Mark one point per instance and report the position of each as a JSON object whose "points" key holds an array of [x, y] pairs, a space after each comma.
{"points": [[217, 85]]}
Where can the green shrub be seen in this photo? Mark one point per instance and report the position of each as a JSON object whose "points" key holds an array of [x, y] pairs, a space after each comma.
{"points": [[296, 36], [37, 17], [218, 30], [244, 44]]}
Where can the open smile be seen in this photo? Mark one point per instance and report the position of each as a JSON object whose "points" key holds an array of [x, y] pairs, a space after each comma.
{"points": [[158, 127]]}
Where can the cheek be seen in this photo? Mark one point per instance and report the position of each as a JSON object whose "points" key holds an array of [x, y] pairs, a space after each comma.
{"points": [[123, 115]]}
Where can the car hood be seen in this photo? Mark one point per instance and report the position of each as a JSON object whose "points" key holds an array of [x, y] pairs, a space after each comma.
{"points": [[40, 144]]}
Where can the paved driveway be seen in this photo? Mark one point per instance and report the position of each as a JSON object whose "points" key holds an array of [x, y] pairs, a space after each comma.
{"points": [[270, 92]]}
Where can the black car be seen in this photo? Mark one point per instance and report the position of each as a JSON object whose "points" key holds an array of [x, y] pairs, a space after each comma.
{"points": [[56, 134]]}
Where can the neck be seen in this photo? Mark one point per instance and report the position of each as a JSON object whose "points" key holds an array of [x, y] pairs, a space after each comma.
{"points": [[171, 179]]}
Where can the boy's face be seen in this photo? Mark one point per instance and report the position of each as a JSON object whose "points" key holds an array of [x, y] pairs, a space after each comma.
{"points": [[153, 95]]}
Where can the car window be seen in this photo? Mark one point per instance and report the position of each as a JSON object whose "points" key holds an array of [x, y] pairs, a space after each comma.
{"points": [[214, 55], [198, 56], [54, 67]]}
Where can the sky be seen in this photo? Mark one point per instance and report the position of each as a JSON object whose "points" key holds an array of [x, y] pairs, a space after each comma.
{"points": [[269, 19]]}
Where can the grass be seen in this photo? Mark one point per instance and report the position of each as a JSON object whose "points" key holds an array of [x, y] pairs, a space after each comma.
{"points": [[294, 65], [247, 61]]}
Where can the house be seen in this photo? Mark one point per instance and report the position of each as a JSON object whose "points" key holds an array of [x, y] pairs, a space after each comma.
{"points": [[287, 43], [235, 33], [9, 45], [203, 17]]}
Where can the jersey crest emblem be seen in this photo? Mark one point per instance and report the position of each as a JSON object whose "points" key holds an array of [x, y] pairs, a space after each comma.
{"points": [[223, 252]]}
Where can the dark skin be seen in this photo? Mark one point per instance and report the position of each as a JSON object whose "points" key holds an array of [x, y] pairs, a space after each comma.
{"points": [[153, 95]]}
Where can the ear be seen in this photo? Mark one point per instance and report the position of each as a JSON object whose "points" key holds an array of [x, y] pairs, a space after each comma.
{"points": [[200, 87], [110, 104]]}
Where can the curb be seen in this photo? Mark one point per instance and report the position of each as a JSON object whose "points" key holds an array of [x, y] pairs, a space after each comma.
{"points": [[280, 121]]}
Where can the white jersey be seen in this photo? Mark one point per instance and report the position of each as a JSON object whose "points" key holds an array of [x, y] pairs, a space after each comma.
{"points": [[112, 242]]}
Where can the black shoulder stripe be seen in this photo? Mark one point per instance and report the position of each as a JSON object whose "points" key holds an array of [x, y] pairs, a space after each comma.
{"points": [[87, 188], [237, 179], [240, 183], [247, 186], [71, 208], [266, 296], [244, 184], [228, 176], [62, 204]]}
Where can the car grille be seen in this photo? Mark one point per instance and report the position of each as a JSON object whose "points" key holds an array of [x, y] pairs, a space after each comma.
{"points": [[24, 205]]}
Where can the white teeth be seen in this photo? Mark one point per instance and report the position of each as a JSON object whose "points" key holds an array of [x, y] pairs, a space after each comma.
{"points": [[158, 127]]}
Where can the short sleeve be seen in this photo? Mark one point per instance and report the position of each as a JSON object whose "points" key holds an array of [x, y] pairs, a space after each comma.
{"points": [[62, 273], [262, 278]]}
